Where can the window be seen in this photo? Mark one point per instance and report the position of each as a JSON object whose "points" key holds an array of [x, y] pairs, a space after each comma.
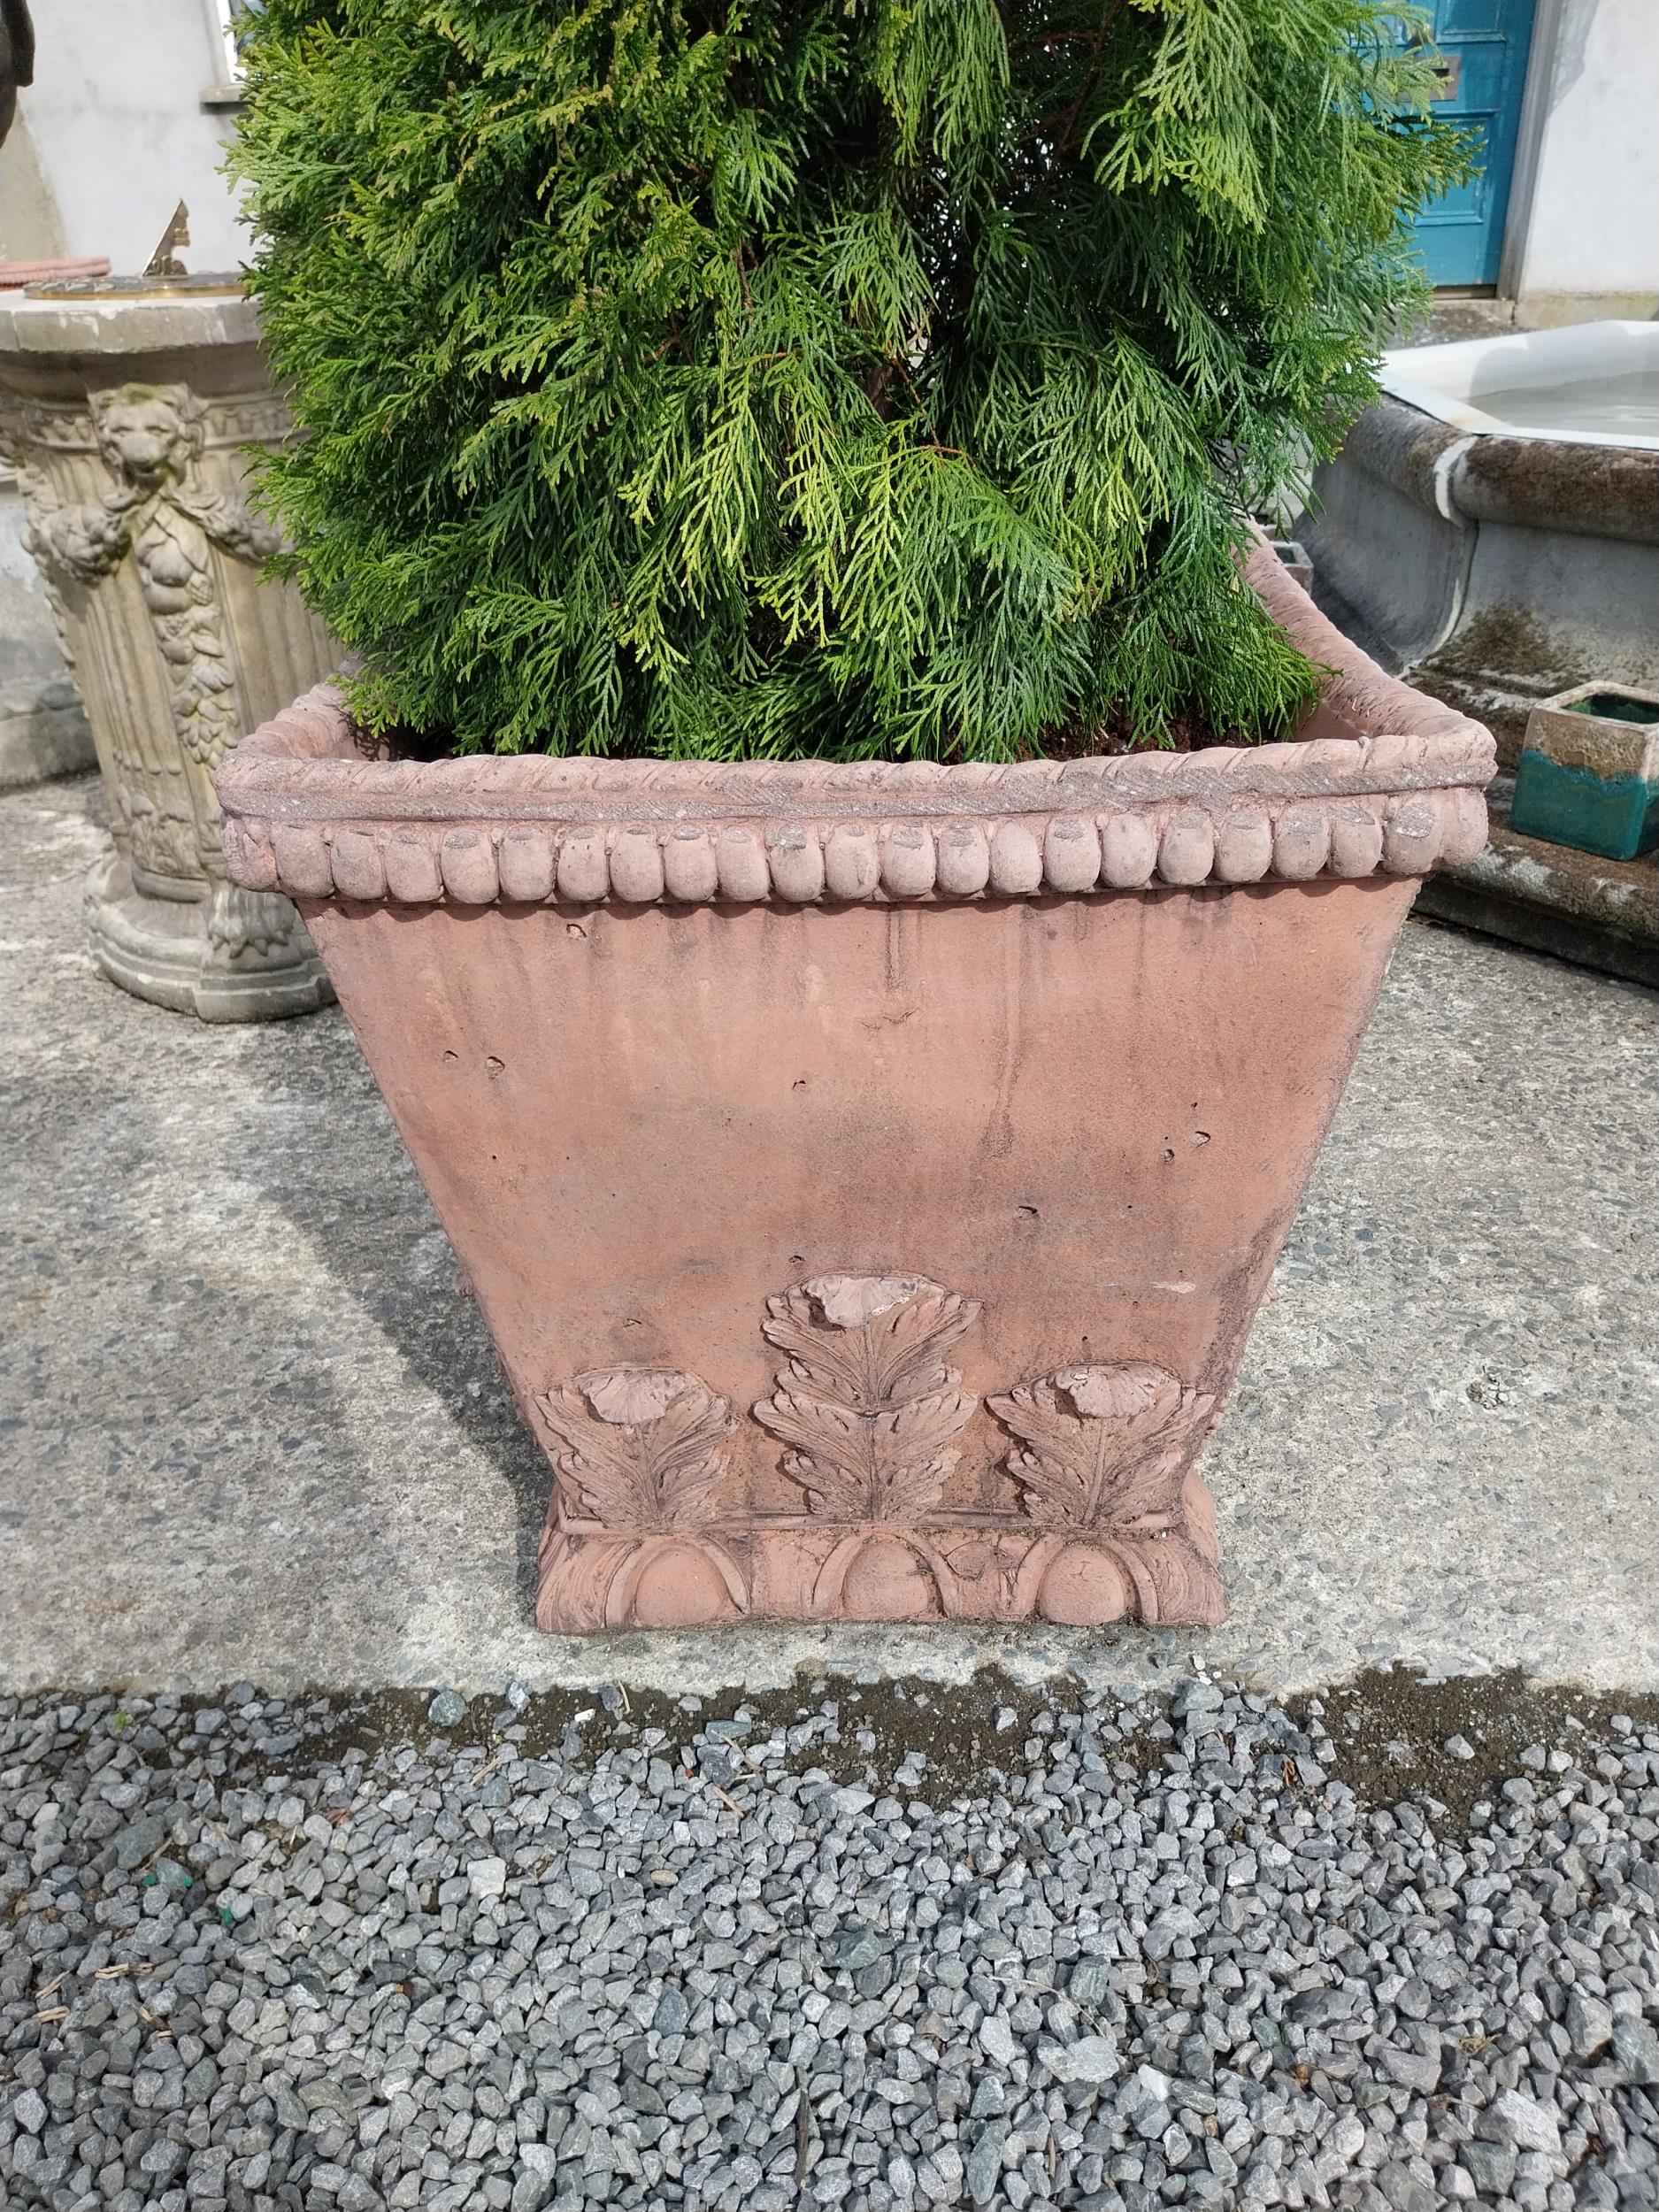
{"points": [[222, 18], [225, 13]]}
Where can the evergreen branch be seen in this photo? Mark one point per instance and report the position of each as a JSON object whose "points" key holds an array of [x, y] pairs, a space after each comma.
{"points": [[869, 378]]}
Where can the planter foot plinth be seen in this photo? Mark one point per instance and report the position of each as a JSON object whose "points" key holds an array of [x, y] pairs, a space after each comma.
{"points": [[593, 1579], [233, 957], [652, 1526]]}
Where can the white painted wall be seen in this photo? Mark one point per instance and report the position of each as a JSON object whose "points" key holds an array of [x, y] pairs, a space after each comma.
{"points": [[1595, 220], [115, 135], [30, 228]]}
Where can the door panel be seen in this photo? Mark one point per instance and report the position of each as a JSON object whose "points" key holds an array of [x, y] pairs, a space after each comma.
{"points": [[1484, 45], [1473, 19]]}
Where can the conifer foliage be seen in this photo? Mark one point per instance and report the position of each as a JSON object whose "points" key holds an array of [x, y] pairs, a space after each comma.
{"points": [[755, 377]]}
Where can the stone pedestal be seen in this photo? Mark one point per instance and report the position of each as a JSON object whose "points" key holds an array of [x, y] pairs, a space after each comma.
{"points": [[126, 411]]}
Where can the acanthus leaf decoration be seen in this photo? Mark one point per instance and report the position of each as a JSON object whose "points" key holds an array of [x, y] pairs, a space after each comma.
{"points": [[1104, 1447], [257, 922], [867, 1399], [644, 1449]]}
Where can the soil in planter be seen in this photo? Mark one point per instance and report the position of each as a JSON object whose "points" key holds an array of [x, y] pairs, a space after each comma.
{"points": [[1188, 734], [1613, 706]]}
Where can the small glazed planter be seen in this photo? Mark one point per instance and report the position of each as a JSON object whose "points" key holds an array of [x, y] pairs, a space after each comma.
{"points": [[1589, 771], [869, 1172], [1294, 557]]}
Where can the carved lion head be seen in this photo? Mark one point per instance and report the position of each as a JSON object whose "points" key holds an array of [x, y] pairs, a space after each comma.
{"points": [[148, 433]]}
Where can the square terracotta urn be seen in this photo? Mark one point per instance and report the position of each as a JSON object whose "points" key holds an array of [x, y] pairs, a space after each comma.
{"points": [[869, 1172]]}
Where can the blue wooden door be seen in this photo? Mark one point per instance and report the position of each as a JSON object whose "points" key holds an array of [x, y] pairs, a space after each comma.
{"points": [[1483, 47]]}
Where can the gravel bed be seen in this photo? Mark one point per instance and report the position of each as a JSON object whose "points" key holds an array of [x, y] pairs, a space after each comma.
{"points": [[857, 1946]]}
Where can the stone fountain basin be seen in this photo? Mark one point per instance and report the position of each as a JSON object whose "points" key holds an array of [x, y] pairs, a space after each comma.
{"points": [[1479, 532], [1588, 384]]}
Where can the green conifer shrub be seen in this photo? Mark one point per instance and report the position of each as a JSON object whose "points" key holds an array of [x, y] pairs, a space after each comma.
{"points": [[738, 378]]}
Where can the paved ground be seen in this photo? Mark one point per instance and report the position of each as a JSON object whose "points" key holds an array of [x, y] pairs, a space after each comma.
{"points": [[251, 1429]]}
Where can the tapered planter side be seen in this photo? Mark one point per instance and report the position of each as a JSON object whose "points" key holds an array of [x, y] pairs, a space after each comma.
{"points": [[869, 1173]]}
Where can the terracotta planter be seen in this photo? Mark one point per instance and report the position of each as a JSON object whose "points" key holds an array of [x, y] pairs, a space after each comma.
{"points": [[63, 269], [869, 1173]]}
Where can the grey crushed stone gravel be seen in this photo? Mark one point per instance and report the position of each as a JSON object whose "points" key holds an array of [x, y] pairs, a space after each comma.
{"points": [[1142, 1955]]}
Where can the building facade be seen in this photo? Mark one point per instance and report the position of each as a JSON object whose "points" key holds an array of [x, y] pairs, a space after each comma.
{"points": [[127, 115], [132, 105], [1561, 224]]}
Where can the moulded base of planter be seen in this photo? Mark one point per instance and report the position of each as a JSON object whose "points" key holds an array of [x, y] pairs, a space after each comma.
{"points": [[233, 956], [953, 1567]]}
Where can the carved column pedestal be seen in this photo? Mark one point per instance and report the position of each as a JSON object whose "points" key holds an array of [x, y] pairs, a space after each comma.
{"points": [[127, 414]]}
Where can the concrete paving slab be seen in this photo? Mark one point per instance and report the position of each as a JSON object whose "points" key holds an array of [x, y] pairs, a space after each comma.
{"points": [[252, 1427]]}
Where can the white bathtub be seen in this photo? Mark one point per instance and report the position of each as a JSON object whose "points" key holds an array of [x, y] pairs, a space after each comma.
{"points": [[1590, 384]]}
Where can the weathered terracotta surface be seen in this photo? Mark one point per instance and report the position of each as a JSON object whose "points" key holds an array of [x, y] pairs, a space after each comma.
{"points": [[62, 270], [869, 1173]]}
